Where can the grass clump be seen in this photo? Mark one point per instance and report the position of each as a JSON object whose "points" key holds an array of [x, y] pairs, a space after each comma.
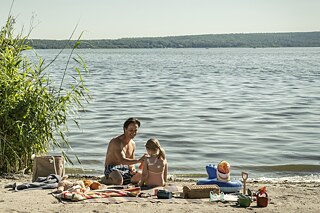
{"points": [[33, 111]]}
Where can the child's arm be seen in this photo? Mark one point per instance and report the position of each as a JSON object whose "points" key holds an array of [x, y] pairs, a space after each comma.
{"points": [[165, 172], [144, 175]]}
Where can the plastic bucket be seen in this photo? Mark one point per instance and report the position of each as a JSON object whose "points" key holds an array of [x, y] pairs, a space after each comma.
{"points": [[244, 201], [262, 201]]}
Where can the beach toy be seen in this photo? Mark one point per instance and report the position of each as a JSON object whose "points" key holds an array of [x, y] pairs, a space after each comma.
{"points": [[262, 201], [244, 180], [223, 171], [212, 171], [224, 167], [244, 200], [262, 197], [226, 187]]}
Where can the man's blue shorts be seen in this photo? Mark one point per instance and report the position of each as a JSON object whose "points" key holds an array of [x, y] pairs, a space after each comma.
{"points": [[123, 169]]}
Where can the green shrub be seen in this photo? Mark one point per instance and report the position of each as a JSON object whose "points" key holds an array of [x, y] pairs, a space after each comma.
{"points": [[33, 111]]}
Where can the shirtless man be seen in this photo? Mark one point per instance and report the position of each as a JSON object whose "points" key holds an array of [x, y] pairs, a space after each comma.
{"points": [[120, 159]]}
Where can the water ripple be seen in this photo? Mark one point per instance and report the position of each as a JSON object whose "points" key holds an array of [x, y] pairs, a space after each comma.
{"points": [[252, 107]]}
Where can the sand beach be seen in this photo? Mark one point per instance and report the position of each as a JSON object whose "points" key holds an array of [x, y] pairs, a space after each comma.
{"points": [[284, 196]]}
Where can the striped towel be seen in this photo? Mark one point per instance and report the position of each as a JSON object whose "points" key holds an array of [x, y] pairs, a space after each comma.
{"points": [[79, 196]]}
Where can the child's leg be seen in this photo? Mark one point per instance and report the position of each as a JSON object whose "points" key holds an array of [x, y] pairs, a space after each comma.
{"points": [[136, 178]]}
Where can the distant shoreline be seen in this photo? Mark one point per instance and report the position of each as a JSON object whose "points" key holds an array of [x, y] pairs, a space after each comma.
{"points": [[246, 40]]}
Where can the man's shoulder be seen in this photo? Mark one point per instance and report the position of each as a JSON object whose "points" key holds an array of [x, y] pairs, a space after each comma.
{"points": [[115, 139]]}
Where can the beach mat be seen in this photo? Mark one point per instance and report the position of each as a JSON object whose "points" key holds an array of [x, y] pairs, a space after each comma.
{"points": [[153, 199], [76, 196], [118, 194]]}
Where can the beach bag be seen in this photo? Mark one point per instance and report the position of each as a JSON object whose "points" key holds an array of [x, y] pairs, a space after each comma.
{"points": [[44, 166], [200, 191]]}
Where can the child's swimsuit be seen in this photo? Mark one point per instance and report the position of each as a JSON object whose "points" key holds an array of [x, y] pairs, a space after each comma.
{"points": [[155, 178]]}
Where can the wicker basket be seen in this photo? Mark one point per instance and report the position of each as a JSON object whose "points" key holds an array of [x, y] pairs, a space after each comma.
{"points": [[200, 191]]}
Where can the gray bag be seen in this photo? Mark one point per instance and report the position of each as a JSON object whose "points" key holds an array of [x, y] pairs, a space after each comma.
{"points": [[47, 165]]}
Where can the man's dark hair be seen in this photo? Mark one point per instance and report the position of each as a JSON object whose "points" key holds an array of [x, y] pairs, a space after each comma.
{"points": [[130, 121]]}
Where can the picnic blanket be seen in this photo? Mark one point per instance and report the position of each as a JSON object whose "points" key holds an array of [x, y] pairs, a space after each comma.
{"points": [[127, 193], [120, 194], [105, 193], [152, 199]]}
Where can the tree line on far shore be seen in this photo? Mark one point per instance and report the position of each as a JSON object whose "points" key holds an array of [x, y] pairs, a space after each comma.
{"points": [[250, 40]]}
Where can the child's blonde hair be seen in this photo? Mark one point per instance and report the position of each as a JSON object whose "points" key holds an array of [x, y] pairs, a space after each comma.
{"points": [[154, 144]]}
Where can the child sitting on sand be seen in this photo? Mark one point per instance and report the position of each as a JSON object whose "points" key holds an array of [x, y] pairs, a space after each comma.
{"points": [[155, 166]]}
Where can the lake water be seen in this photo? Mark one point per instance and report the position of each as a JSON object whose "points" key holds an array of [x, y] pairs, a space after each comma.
{"points": [[259, 109]]}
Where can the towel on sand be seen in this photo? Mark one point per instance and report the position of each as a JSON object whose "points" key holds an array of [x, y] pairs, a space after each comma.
{"points": [[79, 196], [119, 194], [49, 182]]}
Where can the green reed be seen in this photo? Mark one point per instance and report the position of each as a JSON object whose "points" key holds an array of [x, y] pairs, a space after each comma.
{"points": [[33, 111]]}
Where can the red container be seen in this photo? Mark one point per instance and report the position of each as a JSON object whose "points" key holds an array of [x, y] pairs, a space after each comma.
{"points": [[262, 200]]}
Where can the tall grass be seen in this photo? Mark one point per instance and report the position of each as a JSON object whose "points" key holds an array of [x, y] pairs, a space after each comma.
{"points": [[33, 111]]}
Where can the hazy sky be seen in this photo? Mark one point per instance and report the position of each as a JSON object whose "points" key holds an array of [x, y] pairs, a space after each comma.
{"points": [[98, 19]]}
